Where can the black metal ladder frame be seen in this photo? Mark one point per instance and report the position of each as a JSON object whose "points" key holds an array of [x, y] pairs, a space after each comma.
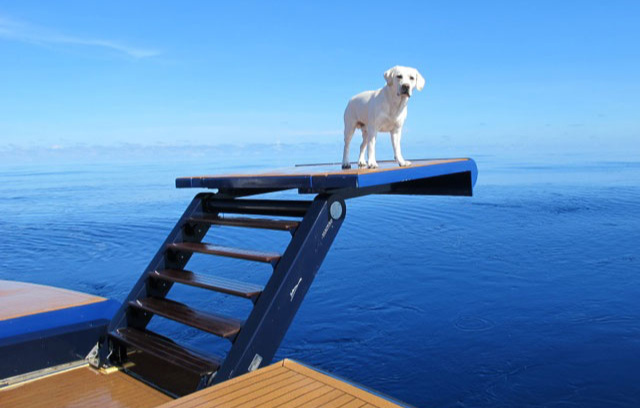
{"points": [[274, 310]]}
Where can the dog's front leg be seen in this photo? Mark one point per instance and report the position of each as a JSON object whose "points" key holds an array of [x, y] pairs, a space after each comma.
{"points": [[371, 148], [397, 152]]}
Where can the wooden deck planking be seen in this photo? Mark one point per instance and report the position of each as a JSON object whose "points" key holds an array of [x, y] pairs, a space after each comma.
{"points": [[355, 403], [255, 390], [249, 384], [283, 384], [20, 299], [332, 169], [340, 385], [286, 384], [302, 394], [284, 388], [324, 400], [83, 387], [324, 177]]}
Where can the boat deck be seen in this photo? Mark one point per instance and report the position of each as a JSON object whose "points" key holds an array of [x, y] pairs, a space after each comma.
{"points": [[83, 387], [457, 175], [21, 299], [42, 327], [284, 384]]}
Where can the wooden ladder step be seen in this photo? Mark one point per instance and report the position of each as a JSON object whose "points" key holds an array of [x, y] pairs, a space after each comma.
{"points": [[263, 223], [289, 208], [231, 287], [167, 350], [225, 327], [204, 248]]}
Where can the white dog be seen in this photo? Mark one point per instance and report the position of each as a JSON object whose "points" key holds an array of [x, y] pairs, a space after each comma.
{"points": [[383, 110]]}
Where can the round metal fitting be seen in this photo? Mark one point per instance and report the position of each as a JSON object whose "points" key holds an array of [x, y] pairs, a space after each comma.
{"points": [[336, 210]]}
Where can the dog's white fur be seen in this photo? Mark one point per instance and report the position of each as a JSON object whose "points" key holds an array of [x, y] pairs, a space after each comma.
{"points": [[383, 110]]}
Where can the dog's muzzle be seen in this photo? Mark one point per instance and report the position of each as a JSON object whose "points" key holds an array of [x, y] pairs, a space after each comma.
{"points": [[405, 90]]}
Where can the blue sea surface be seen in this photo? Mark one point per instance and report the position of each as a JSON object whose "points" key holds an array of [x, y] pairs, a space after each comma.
{"points": [[525, 295]]}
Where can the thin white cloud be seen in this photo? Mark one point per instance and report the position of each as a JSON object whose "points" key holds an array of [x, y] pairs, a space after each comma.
{"points": [[18, 31]]}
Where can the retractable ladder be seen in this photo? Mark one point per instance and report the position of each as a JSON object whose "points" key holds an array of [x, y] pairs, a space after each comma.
{"points": [[312, 225]]}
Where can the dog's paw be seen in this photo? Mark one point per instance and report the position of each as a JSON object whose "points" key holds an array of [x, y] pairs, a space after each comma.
{"points": [[362, 164], [346, 166], [404, 163], [372, 165]]}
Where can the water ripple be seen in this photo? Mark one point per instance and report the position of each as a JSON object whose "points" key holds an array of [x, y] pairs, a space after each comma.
{"points": [[473, 324]]}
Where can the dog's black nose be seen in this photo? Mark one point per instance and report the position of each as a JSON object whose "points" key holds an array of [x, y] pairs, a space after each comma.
{"points": [[404, 88]]}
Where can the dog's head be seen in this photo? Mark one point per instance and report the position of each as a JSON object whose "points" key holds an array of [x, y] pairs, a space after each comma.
{"points": [[404, 80]]}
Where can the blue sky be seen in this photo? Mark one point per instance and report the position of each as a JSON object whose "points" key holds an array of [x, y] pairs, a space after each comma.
{"points": [[537, 73]]}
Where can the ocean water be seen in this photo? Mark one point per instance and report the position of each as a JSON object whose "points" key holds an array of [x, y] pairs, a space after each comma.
{"points": [[525, 295]]}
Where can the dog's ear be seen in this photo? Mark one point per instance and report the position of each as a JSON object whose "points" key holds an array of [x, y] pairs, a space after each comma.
{"points": [[419, 81], [389, 74]]}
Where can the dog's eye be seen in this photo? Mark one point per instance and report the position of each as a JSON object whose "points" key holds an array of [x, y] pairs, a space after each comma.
{"points": [[411, 78], [399, 76]]}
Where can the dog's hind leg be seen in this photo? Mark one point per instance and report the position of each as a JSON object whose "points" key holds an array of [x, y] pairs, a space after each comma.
{"points": [[349, 129], [363, 147]]}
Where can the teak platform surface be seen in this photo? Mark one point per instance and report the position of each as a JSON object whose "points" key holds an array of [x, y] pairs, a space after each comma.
{"points": [[283, 384], [322, 177], [20, 299], [83, 387]]}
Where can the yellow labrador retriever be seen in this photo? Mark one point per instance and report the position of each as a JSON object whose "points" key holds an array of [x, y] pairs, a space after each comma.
{"points": [[383, 110]]}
